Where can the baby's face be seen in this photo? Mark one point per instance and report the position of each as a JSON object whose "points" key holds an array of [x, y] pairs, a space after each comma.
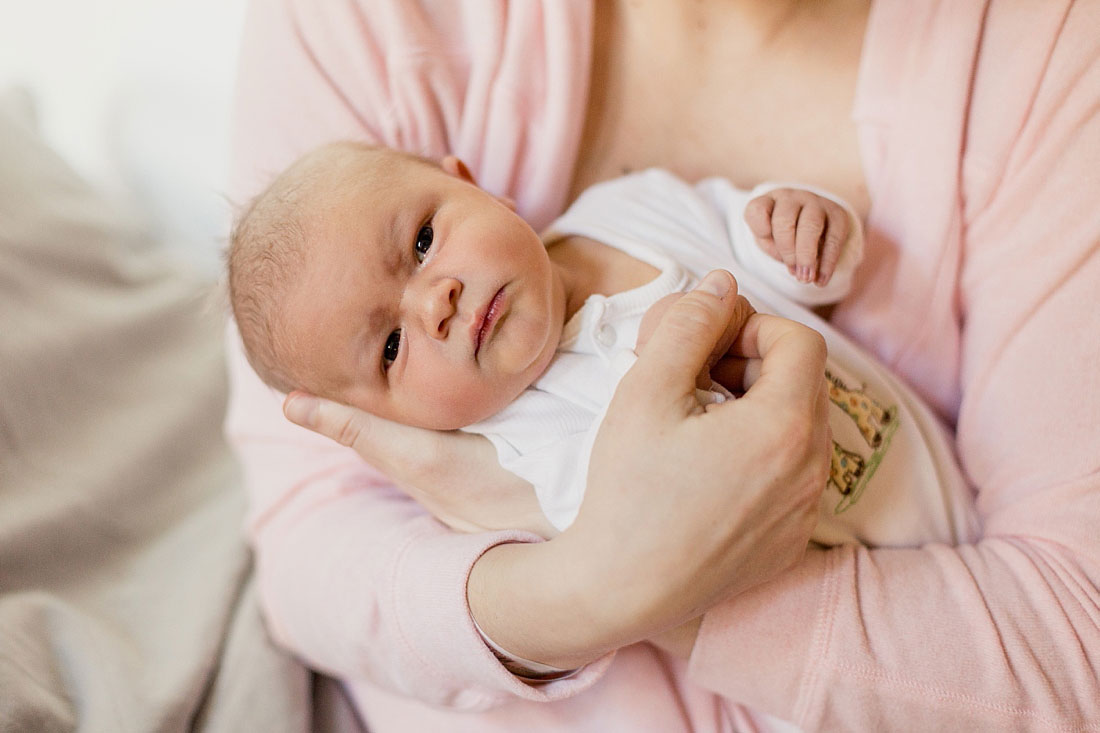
{"points": [[425, 299]]}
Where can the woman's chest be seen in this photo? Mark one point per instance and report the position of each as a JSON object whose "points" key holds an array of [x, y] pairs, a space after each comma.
{"points": [[715, 101]]}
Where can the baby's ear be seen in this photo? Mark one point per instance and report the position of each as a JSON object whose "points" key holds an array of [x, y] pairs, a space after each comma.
{"points": [[452, 165]]}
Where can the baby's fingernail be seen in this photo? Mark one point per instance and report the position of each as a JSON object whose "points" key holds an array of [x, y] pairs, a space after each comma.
{"points": [[301, 410], [716, 283]]}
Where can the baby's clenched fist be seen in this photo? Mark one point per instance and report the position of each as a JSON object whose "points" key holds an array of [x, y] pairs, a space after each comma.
{"points": [[800, 229]]}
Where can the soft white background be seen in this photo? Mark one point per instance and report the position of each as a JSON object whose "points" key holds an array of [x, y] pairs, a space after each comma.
{"points": [[135, 94]]}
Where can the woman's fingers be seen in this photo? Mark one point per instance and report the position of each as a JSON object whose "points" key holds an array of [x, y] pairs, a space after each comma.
{"points": [[736, 374], [354, 428], [742, 309], [413, 457], [454, 475], [797, 363], [693, 333]]}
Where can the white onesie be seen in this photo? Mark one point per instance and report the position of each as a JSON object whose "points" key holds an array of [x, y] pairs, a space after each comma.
{"points": [[894, 480]]}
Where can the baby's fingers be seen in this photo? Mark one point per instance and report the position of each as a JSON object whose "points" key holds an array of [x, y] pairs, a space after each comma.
{"points": [[811, 227], [785, 218], [835, 236], [758, 216]]}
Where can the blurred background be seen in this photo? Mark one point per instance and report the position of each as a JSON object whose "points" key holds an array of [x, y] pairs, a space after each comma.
{"points": [[135, 94], [127, 600]]}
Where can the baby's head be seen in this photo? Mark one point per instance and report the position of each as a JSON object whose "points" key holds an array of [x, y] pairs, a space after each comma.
{"points": [[395, 284]]}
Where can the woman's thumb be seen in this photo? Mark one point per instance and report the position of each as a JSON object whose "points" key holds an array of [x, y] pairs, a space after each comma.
{"points": [[302, 409], [341, 423], [686, 336]]}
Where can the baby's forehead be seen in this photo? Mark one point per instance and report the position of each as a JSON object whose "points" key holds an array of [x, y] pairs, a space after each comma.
{"points": [[337, 178], [339, 163]]}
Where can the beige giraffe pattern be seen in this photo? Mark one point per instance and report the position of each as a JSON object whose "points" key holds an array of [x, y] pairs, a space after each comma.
{"points": [[870, 417], [846, 469], [850, 471]]}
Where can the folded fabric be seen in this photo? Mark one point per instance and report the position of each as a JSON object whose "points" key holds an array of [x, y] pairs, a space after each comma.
{"points": [[126, 600]]}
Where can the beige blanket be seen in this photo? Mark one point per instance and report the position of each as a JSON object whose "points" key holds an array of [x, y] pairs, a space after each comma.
{"points": [[126, 601]]}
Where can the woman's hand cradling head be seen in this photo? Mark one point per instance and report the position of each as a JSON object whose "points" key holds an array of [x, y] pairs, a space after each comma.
{"points": [[685, 505], [454, 475]]}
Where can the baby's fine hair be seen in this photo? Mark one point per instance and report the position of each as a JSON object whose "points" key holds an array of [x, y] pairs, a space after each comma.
{"points": [[268, 250]]}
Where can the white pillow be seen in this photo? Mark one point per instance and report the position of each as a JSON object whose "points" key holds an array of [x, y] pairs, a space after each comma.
{"points": [[170, 141]]}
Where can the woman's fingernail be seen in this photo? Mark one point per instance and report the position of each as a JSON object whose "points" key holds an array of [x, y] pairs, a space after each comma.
{"points": [[301, 410], [716, 283]]}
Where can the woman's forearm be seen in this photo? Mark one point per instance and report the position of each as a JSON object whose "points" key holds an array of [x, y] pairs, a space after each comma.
{"points": [[538, 603], [559, 603]]}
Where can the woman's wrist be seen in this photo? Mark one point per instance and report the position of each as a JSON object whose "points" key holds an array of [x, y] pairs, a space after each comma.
{"points": [[540, 601]]}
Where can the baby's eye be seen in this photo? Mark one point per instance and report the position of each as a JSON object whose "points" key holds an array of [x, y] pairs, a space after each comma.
{"points": [[389, 351], [423, 242]]}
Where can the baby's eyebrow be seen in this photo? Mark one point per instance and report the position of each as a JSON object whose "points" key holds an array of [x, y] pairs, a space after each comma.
{"points": [[393, 255], [377, 326], [397, 244], [393, 233]]}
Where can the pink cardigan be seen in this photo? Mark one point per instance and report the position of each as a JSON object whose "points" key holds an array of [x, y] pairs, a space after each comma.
{"points": [[980, 127]]}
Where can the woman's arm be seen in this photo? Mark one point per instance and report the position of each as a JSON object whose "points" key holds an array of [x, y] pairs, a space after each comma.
{"points": [[645, 553], [355, 577], [1003, 634], [645, 542]]}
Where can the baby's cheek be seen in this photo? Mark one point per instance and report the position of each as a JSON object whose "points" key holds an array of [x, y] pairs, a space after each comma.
{"points": [[476, 402]]}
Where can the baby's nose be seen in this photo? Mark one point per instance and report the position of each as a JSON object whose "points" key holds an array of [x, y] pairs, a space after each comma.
{"points": [[440, 305]]}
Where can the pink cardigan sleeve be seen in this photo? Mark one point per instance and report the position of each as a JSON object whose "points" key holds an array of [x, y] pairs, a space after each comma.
{"points": [[982, 141], [502, 85], [354, 576]]}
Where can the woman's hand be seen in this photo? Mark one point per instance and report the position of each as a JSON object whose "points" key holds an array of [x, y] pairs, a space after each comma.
{"points": [[685, 506], [454, 475], [733, 372], [714, 501]]}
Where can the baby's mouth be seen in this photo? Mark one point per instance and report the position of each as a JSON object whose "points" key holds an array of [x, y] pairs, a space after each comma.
{"points": [[489, 320]]}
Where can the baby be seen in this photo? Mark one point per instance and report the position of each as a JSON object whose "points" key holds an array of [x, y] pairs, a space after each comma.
{"points": [[395, 284]]}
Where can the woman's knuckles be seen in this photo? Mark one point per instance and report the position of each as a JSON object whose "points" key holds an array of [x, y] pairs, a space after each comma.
{"points": [[345, 428]]}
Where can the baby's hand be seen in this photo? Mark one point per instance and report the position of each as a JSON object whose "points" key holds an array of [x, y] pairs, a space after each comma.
{"points": [[801, 229]]}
